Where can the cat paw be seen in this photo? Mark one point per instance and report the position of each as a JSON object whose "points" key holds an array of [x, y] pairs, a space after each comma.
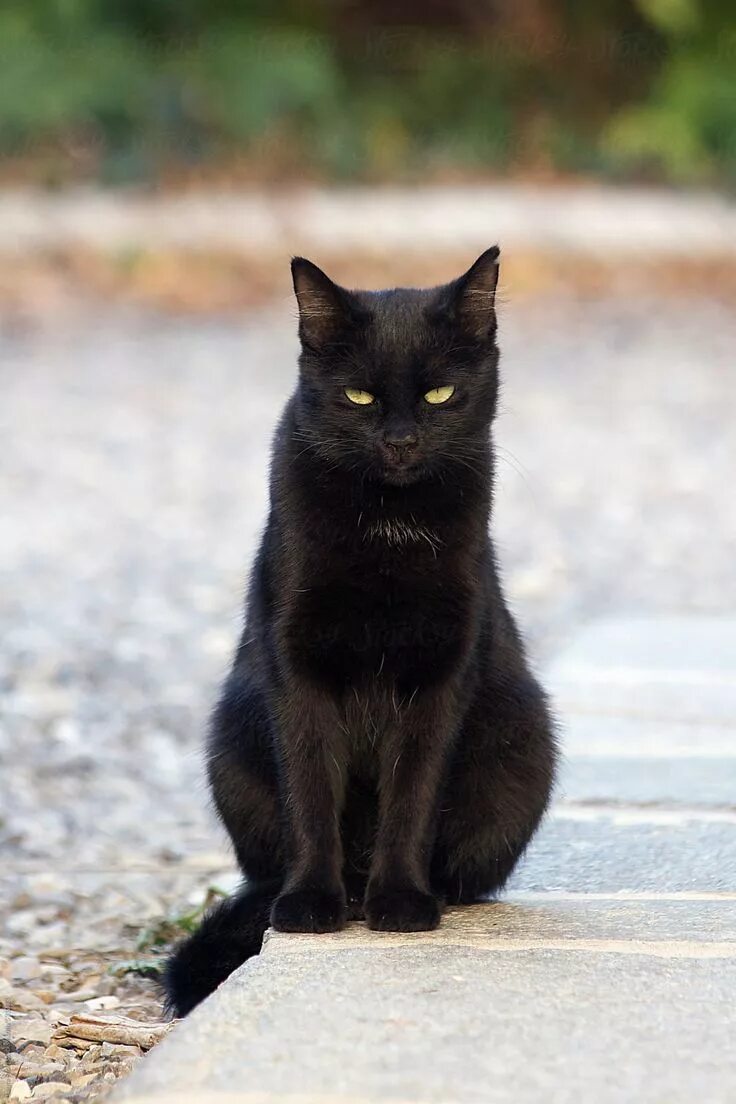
{"points": [[403, 910], [308, 910]]}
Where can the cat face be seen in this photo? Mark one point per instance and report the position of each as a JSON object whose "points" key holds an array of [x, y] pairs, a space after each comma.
{"points": [[397, 386]]}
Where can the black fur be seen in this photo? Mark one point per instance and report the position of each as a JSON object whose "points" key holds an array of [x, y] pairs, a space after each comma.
{"points": [[380, 746]]}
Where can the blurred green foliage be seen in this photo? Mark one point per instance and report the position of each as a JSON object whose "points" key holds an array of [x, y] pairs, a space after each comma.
{"points": [[136, 89]]}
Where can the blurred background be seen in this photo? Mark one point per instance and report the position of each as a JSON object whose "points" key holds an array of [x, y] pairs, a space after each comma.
{"points": [[161, 162], [183, 91]]}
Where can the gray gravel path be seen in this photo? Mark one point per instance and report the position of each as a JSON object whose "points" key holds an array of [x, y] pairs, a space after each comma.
{"points": [[134, 486], [132, 490]]}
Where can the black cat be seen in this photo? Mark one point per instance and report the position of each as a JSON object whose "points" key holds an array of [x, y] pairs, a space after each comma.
{"points": [[380, 746]]}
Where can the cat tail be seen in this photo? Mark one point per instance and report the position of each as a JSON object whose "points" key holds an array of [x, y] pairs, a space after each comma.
{"points": [[229, 934]]}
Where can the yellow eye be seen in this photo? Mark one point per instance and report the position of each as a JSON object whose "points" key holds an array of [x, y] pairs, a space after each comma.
{"points": [[360, 398], [439, 395]]}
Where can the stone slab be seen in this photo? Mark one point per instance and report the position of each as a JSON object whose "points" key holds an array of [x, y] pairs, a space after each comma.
{"points": [[590, 734], [689, 782], [607, 973], [587, 850], [335, 1019], [526, 920], [639, 761], [695, 647], [615, 696], [676, 669]]}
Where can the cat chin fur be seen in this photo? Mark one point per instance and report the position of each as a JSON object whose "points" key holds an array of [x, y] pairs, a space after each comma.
{"points": [[398, 532]]}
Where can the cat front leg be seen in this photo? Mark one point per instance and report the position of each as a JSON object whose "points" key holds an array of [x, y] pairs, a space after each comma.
{"points": [[398, 896], [313, 782]]}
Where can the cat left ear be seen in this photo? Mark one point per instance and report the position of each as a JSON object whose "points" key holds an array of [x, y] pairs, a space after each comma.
{"points": [[473, 295], [324, 307]]}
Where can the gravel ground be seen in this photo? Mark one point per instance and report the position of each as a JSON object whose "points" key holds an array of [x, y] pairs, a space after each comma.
{"points": [[132, 489]]}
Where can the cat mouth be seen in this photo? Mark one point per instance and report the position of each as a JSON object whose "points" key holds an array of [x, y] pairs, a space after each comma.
{"points": [[400, 475]]}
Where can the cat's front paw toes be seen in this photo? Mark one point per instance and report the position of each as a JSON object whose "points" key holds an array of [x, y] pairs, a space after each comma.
{"points": [[404, 910], [308, 910]]}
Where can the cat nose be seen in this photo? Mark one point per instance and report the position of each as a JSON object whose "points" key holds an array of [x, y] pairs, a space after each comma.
{"points": [[404, 440], [398, 445]]}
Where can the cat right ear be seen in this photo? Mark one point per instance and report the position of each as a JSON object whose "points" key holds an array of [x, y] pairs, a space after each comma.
{"points": [[470, 301], [324, 307]]}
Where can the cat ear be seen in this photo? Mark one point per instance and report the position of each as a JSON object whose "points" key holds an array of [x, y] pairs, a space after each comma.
{"points": [[324, 307], [472, 297]]}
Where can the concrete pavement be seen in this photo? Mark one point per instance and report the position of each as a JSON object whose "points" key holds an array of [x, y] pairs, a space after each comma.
{"points": [[607, 973]]}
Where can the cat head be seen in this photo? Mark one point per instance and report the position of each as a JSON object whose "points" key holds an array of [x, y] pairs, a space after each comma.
{"points": [[398, 385]]}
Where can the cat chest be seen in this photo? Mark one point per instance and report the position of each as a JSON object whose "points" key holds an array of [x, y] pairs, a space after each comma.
{"points": [[348, 634]]}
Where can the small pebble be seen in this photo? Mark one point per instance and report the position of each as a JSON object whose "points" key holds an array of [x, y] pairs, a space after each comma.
{"points": [[52, 971], [25, 969], [121, 1050], [78, 995], [55, 1051], [79, 1080], [32, 1051], [22, 1000], [103, 1004], [45, 1071], [48, 1089], [32, 1029]]}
